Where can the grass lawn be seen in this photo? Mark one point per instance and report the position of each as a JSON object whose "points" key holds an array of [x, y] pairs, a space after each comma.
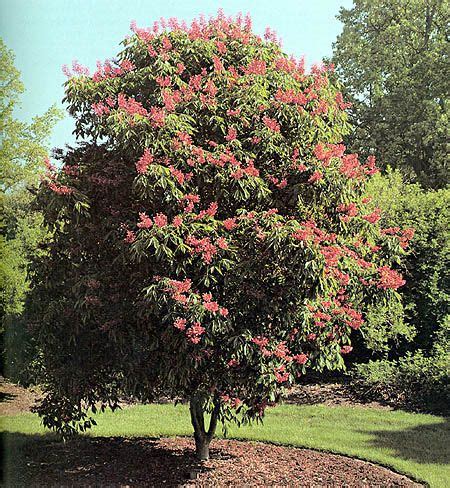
{"points": [[413, 444]]}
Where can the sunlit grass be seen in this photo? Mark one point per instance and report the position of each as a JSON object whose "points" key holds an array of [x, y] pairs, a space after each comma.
{"points": [[414, 444]]}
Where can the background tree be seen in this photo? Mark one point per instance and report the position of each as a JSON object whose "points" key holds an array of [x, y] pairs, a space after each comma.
{"points": [[211, 238], [22, 151], [392, 58]]}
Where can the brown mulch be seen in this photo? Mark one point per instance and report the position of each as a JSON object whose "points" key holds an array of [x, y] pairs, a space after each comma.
{"points": [[331, 394], [15, 399], [122, 462]]}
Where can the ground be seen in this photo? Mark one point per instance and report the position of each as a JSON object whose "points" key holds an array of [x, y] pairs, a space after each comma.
{"points": [[121, 462], [15, 399], [138, 446]]}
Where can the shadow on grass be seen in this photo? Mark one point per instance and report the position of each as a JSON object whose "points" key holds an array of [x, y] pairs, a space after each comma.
{"points": [[426, 444], [94, 461]]}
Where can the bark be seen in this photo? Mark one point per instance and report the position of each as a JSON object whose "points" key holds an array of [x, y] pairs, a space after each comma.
{"points": [[202, 436]]}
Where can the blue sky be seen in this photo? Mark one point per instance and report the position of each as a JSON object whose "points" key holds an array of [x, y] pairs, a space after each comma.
{"points": [[45, 34]]}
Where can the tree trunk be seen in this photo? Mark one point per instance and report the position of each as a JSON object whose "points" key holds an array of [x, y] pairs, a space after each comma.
{"points": [[202, 448], [202, 436]]}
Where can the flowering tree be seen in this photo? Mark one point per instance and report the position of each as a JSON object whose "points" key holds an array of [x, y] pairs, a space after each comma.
{"points": [[211, 240]]}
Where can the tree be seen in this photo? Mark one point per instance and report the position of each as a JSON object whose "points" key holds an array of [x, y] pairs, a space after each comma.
{"points": [[211, 242], [392, 59], [22, 150]]}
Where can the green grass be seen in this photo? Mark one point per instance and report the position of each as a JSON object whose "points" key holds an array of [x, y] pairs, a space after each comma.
{"points": [[413, 444]]}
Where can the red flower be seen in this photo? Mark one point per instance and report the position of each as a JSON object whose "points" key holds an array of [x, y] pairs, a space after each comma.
{"points": [[350, 166], [222, 243], [130, 237], [157, 116], [350, 209], [218, 65], [231, 135], [177, 221], [145, 222], [271, 124], [300, 358], [229, 224], [130, 105], [180, 324], [389, 279], [195, 332], [160, 220], [346, 349], [373, 217], [340, 101], [260, 341], [233, 113], [100, 108], [316, 176], [166, 44], [256, 67], [281, 375], [144, 162], [211, 306]]}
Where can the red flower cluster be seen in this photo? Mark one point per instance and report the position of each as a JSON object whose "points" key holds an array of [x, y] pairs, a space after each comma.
{"points": [[160, 220], [316, 176], [60, 189], [256, 67], [300, 358], [325, 153], [389, 278], [281, 375], [190, 200], [145, 221], [229, 224], [373, 217], [404, 236], [271, 124], [291, 97], [130, 105], [350, 209], [100, 109], [195, 332], [180, 323], [203, 247], [179, 289], [144, 162], [107, 70], [231, 135]]}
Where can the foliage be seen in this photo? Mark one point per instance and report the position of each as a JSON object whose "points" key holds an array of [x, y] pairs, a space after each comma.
{"points": [[415, 380], [211, 237], [22, 151], [385, 332], [426, 268], [399, 94]]}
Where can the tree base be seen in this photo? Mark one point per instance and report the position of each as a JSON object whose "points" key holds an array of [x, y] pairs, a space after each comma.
{"points": [[202, 450]]}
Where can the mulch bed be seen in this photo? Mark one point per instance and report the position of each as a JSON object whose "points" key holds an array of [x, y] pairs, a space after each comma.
{"points": [[122, 462], [332, 394], [15, 399]]}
